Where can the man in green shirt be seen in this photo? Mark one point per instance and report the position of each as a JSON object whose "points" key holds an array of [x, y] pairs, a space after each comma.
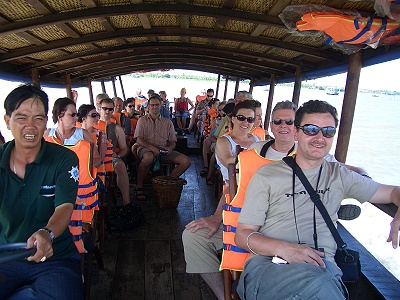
{"points": [[38, 187]]}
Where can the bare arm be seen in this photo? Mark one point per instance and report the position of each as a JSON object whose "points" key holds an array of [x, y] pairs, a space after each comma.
{"points": [[390, 194], [123, 148], [58, 222], [262, 245], [224, 151], [212, 222]]}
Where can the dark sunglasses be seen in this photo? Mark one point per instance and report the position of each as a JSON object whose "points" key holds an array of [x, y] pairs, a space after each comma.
{"points": [[311, 130], [74, 115], [279, 121], [130, 106], [94, 115], [210, 96], [242, 118], [107, 108]]}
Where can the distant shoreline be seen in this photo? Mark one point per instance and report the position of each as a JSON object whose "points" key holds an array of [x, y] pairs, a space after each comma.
{"points": [[165, 74]]}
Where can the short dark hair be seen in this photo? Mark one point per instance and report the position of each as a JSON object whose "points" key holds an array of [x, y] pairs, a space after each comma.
{"points": [[255, 103], [247, 104], [129, 100], [155, 96], [315, 107], [84, 111], [107, 100], [60, 106], [23, 92], [210, 90]]}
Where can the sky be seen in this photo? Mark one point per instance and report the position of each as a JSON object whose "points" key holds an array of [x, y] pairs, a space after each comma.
{"points": [[382, 76], [377, 77]]}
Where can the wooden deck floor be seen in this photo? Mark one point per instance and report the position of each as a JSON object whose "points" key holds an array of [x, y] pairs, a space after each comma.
{"points": [[148, 263]]}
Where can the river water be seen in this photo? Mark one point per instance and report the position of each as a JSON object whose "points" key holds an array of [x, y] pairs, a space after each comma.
{"points": [[374, 141]]}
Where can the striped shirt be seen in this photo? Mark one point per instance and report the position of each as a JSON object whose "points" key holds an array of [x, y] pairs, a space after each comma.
{"points": [[159, 132]]}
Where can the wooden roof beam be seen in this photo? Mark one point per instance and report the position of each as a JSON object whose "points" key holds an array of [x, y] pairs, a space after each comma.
{"points": [[142, 10], [167, 47], [161, 31]]}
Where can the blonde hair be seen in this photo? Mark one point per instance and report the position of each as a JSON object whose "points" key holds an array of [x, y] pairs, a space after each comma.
{"points": [[183, 90]]}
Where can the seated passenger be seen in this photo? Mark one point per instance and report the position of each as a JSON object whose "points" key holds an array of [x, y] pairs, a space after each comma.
{"points": [[202, 233], [182, 109], [64, 114], [156, 139], [45, 176], [277, 216], [116, 134]]}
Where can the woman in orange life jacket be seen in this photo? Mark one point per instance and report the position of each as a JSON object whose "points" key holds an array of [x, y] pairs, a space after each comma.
{"points": [[65, 116], [89, 117], [242, 119]]}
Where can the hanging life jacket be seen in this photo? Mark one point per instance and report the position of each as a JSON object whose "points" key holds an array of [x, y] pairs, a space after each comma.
{"points": [[348, 29], [234, 257]]}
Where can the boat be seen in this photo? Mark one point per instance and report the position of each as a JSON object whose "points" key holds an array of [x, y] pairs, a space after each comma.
{"points": [[332, 91], [71, 44]]}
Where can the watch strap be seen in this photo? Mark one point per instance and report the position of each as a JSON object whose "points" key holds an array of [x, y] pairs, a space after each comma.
{"points": [[51, 234]]}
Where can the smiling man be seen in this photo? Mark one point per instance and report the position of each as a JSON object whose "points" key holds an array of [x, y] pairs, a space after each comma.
{"points": [[38, 184], [156, 139], [277, 218]]}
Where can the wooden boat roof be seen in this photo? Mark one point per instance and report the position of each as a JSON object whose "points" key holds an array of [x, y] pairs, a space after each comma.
{"points": [[98, 39]]}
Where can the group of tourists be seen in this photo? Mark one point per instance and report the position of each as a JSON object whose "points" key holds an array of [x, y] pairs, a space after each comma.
{"points": [[273, 217]]}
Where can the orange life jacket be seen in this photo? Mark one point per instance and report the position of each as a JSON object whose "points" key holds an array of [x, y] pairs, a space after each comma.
{"points": [[348, 29], [234, 257], [107, 165], [87, 197], [260, 132]]}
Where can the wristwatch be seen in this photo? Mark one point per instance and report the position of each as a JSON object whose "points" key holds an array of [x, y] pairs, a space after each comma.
{"points": [[51, 234]]}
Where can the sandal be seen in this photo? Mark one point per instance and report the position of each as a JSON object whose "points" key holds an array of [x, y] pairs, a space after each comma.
{"points": [[204, 172], [209, 181], [140, 194]]}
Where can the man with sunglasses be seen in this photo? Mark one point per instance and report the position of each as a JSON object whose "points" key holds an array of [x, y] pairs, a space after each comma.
{"points": [[120, 149], [278, 223]]}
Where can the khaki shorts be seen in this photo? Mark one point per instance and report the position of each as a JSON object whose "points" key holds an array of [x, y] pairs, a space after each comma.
{"points": [[162, 157]]}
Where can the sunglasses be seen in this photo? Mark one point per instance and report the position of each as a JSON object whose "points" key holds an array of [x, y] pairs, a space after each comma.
{"points": [[210, 96], [242, 118], [312, 130], [130, 106], [74, 115], [279, 121], [94, 115], [107, 108]]}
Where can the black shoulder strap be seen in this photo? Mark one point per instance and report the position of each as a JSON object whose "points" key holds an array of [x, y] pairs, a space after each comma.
{"points": [[317, 200], [264, 149]]}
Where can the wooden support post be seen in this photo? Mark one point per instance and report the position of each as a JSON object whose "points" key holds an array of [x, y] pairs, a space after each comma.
{"points": [[297, 85], [217, 89], [68, 86], [122, 87], [252, 81], [349, 104], [103, 87], [113, 85], [89, 83], [36, 77], [226, 87], [236, 86], [272, 84]]}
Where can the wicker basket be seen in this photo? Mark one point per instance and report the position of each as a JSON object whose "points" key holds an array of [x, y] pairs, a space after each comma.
{"points": [[167, 190]]}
